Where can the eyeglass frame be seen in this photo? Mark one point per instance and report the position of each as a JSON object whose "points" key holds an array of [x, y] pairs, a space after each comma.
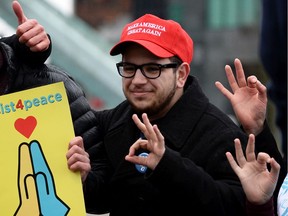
{"points": [[136, 67]]}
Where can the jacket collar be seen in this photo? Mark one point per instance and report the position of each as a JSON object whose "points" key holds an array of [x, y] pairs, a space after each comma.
{"points": [[178, 123], [176, 126]]}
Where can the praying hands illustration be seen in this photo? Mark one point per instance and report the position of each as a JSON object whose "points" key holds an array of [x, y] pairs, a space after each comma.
{"points": [[36, 184]]}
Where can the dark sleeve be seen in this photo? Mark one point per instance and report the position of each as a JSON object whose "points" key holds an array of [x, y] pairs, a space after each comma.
{"points": [[265, 142], [95, 189], [23, 52], [266, 209]]}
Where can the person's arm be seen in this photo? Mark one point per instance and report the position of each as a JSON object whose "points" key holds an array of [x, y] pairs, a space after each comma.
{"points": [[31, 43], [24, 53], [257, 181], [249, 101], [248, 98]]}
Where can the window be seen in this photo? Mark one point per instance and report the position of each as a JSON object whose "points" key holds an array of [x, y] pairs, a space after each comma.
{"points": [[233, 13]]}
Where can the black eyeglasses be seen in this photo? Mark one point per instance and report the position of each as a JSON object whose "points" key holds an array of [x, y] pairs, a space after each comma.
{"points": [[150, 70]]}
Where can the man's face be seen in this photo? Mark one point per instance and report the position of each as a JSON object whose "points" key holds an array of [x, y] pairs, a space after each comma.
{"points": [[153, 96]]}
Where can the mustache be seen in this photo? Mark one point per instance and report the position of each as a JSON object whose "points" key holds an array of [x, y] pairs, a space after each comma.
{"points": [[140, 89]]}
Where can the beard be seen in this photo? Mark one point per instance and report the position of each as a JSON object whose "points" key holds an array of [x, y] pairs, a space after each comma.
{"points": [[157, 107]]}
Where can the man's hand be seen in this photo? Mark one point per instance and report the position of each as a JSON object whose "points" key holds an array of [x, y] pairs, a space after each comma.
{"points": [[78, 158], [257, 181], [248, 98], [154, 143]]}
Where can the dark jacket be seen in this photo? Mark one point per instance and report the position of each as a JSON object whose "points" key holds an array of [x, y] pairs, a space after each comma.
{"points": [[193, 177], [26, 70], [22, 52]]}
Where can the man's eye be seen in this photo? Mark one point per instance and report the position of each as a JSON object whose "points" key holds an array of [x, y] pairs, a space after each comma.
{"points": [[129, 68], [151, 69]]}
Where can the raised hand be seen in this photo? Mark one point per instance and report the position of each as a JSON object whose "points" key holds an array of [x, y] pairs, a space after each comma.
{"points": [[257, 182], [248, 98], [154, 143], [29, 31]]}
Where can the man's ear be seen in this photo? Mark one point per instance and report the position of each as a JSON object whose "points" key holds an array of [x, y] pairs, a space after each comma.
{"points": [[182, 73]]}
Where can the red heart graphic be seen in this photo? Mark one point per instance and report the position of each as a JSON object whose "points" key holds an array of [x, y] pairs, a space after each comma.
{"points": [[26, 126]]}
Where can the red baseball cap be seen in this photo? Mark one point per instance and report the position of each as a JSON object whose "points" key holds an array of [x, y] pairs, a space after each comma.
{"points": [[164, 38]]}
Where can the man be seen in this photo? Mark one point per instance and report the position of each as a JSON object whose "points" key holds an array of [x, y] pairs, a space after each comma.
{"points": [[22, 58], [181, 169], [249, 101]]}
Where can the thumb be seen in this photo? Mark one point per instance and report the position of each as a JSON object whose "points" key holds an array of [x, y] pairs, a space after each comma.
{"points": [[19, 12], [252, 81]]}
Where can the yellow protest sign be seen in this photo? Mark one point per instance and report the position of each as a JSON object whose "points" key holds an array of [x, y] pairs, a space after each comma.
{"points": [[36, 127]]}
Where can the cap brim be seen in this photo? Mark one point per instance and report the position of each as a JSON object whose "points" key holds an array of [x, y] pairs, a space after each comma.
{"points": [[152, 47]]}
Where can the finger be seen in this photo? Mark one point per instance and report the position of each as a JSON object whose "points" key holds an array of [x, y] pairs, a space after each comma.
{"points": [[240, 73], [75, 149], [31, 33], [252, 81], [140, 160], [139, 144], [78, 140], [138, 123], [223, 90], [147, 122], [27, 30], [149, 132], [38, 43], [250, 148], [231, 78], [75, 154], [275, 169], [262, 92], [239, 153], [79, 162], [19, 12], [158, 133], [232, 163], [160, 143], [80, 166], [263, 158]]}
